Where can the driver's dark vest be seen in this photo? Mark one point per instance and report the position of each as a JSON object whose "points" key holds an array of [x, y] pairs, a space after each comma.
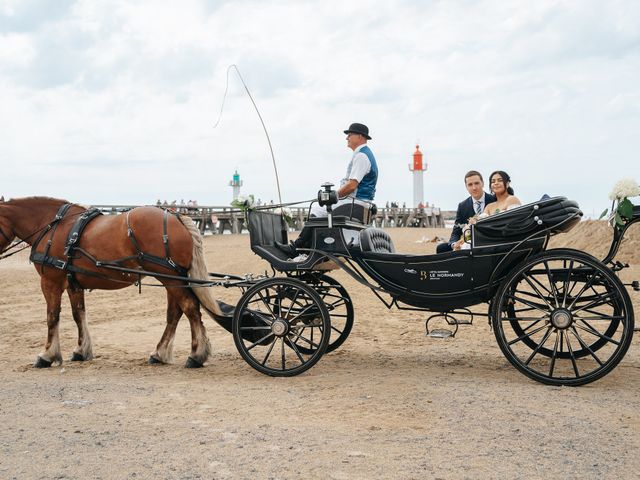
{"points": [[367, 187]]}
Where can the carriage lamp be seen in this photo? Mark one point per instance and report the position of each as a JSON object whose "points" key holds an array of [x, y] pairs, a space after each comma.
{"points": [[327, 197]]}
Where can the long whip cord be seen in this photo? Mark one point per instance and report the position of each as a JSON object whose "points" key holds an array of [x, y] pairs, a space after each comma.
{"points": [[224, 98]]}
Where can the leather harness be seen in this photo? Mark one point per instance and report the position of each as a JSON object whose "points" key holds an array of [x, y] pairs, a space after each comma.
{"points": [[73, 239]]}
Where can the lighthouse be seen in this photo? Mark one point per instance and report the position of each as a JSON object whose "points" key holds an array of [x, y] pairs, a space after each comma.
{"points": [[418, 167], [236, 183]]}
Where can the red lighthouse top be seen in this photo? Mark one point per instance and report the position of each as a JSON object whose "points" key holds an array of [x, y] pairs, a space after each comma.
{"points": [[417, 160]]}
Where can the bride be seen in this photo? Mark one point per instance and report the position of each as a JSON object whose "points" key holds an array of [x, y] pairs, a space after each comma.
{"points": [[500, 184]]}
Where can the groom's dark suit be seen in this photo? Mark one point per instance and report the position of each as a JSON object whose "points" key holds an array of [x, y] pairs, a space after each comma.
{"points": [[464, 213]]}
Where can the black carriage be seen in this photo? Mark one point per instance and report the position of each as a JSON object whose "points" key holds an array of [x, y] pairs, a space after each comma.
{"points": [[560, 316]]}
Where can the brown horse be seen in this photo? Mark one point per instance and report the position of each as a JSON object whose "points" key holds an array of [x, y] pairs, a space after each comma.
{"points": [[145, 238]]}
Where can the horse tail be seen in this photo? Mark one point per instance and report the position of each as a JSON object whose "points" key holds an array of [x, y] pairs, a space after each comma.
{"points": [[198, 269]]}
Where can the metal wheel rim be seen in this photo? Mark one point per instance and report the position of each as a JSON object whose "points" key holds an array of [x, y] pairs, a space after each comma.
{"points": [[601, 324], [287, 313]]}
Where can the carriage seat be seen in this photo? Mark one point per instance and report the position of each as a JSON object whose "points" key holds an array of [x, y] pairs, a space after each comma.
{"points": [[355, 212], [376, 240]]}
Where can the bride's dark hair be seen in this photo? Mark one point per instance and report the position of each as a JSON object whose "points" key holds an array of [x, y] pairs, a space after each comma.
{"points": [[505, 178]]}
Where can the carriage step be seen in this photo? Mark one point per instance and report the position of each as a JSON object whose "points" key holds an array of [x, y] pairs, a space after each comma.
{"points": [[451, 318], [440, 333]]}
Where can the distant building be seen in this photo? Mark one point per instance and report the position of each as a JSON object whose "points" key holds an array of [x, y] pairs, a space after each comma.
{"points": [[418, 168], [236, 183]]}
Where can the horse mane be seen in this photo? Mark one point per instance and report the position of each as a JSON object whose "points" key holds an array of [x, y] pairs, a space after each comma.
{"points": [[37, 198], [40, 200]]}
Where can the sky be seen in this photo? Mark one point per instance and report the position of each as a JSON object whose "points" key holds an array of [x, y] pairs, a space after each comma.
{"points": [[114, 102]]}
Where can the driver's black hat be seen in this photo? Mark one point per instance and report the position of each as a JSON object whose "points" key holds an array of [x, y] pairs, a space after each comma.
{"points": [[360, 129]]}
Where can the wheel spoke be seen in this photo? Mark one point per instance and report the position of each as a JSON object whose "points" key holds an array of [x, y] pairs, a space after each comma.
{"points": [[543, 286], [268, 305], [293, 301], [282, 355], [602, 317], [565, 285], [527, 335], [526, 302], [584, 288], [324, 295], [526, 277], [305, 339], [595, 332], [336, 330], [292, 345], [571, 355], [523, 310], [594, 312], [554, 355], [304, 310], [260, 341], [273, 344], [542, 342], [532, 295], [265, 327], [524, 319], [338, 303], [585, 346], [552, 284], [595, 303]]}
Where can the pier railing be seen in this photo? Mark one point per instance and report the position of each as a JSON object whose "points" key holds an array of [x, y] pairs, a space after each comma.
{"points": [[219, 219]]}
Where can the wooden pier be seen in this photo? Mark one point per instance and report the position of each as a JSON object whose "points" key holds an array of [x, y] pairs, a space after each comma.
{"points": [[218, 220]]}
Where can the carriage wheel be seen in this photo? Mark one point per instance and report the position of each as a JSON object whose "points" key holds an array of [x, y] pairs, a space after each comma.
{"points": [[291, 321], [563, 318], [339, 305], [548, 352]]}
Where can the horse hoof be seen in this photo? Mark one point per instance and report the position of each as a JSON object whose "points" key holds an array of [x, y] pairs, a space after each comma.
{"points": [[154, 361], [77, 357], [191, 363], [42, 363]]}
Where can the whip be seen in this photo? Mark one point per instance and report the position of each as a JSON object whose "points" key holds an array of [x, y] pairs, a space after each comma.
{"points": [[273, 158]]}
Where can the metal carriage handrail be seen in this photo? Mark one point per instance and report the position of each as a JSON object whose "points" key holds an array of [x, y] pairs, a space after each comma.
{"points": [[618, 235]]}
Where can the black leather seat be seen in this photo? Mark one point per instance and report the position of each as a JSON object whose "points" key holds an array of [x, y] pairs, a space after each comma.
{"points": [[355, 212], [376, 240]]}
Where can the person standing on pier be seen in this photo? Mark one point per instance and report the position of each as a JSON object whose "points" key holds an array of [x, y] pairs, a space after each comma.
{"points": [[468, 208]]}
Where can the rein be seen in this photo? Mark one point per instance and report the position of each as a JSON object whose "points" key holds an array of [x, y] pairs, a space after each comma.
{"points": [[4, 253]]}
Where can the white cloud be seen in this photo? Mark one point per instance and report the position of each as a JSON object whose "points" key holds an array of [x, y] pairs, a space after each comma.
{"points": [[125, 94]]}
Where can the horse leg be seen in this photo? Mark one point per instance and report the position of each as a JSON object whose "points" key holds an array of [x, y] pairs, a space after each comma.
{"points": [[164, 349], [52, 291], [200, 345], [84, 350]]}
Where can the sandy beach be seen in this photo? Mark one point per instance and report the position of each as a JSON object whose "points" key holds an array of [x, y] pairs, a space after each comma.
{"points": [[389, 403]]}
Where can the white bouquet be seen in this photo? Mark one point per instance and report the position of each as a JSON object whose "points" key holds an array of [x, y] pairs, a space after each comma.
{"points": [[243, 202], [622, 191], [286, 214], [625, 188]]}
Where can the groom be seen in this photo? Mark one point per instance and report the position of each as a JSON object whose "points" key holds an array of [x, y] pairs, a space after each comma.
{"points": [[473, 205]]}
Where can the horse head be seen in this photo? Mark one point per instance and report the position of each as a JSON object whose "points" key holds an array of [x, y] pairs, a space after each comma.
{"points": [[7, 233]]}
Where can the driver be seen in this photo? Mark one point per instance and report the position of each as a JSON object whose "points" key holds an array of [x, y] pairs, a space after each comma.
{"points": [[359, 182]]}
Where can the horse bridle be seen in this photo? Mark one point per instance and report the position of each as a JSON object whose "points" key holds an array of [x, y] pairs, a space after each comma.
{"points": [[5, 235], [10, 246]]}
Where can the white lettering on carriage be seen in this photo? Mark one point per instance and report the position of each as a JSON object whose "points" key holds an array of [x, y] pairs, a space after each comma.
{"points": [[439, 274]]}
